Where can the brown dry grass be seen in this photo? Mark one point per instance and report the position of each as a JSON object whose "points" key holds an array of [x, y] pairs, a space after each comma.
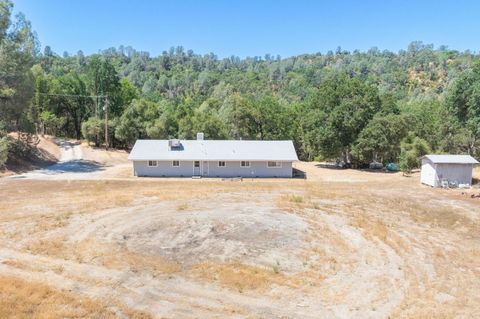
{"points": [[242, 277], [433, 232], [16, 263], [181, 207], [91, 196], [295, 202], [136, 262], [371, 228], [54, 247], [107, 255], [22, 299]]}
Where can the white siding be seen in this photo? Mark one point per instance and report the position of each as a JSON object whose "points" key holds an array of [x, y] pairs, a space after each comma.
{"points": [[428, 174], [211, 169], [432, 174], [163, 168], [256, 169], [459, 173]]}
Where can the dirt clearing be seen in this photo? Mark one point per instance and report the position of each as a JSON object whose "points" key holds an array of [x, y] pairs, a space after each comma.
{"points": [[341, 244]]}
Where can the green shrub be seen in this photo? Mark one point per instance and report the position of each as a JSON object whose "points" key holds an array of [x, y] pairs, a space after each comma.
{"points": [[93, 130], [3, 151], [411, 150]]}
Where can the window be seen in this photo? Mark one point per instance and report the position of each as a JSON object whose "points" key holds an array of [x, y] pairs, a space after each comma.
{"points": [[176, 163], [196, 164], [152, 163], [245, 164], [274, 164], [221, 164]]}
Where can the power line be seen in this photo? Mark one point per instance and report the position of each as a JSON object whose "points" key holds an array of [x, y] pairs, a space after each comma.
{"points": [[74, 95], [105, 108]]}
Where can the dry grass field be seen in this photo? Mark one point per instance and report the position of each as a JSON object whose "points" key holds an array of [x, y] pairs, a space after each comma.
{"points": [[340, 244]]}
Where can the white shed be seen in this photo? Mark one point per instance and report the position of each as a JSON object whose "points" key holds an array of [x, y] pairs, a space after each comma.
{"points": [[447, 168]]}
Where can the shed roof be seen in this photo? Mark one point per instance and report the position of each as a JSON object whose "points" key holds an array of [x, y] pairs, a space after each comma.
{"points": [[451, 159], [214, 150]]}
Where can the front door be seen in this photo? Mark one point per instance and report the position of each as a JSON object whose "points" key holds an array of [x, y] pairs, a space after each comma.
{"points": [[205, 168], [196, 168]]}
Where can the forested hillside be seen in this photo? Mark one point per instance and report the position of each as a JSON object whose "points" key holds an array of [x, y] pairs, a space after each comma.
{"points": [[359, 106]]}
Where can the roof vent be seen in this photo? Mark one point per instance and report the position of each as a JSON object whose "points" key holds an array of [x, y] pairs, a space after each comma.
{"points": [[174, 144], [200, 136]]}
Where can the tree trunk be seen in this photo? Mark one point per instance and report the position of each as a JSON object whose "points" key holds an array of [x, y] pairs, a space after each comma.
{"points": [[78, 132], [346, 156]]}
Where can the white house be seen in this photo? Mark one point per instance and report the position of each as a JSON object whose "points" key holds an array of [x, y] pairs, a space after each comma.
{"points": [[213, 158], [448, 169]]}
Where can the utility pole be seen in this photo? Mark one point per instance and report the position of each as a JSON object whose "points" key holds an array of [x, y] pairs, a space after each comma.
{"points": [[105, 108]]}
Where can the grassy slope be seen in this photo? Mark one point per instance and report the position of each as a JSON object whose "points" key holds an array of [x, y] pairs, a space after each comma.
{"points": [[43, 154]]}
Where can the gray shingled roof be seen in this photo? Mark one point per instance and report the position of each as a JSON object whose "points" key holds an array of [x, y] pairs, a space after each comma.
{"points": [[214, 150], [451, 159]]}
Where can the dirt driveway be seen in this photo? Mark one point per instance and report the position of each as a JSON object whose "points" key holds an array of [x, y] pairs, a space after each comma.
{"points": [[341, 244], [80, 161]]}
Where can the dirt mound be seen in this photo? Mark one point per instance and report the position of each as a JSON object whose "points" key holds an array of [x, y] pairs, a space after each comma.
{"points": [[29, 154], [214, 233]]}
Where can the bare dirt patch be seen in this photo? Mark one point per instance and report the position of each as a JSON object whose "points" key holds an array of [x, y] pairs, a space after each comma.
{"points": [[341, 244], [100, 155]]}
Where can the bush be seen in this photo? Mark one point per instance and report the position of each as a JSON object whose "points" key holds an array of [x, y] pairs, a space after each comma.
{"points": [[3, 151], [92, 130], [408, 161], [412, 149], [22, 146], [51, 123]]}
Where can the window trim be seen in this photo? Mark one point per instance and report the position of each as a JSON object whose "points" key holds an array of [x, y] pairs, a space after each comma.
{"points": [[224, 164], [150, 163], [194, 162], [245, 166], [277, 164], [173, 164]]}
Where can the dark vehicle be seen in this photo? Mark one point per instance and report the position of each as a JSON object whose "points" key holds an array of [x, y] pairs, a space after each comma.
{"points": [[375, 165]]}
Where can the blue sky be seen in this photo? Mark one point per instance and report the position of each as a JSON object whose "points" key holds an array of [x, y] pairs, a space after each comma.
{"points": [[251, 28]]}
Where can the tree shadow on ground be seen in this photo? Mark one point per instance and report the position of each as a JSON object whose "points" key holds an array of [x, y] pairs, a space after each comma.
{"points": [[74, 166], [330, 166], [360, 169], [299, 174]]}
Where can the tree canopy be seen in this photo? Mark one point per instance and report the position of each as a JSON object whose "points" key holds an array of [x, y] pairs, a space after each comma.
{"points": [[356, 106]]}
